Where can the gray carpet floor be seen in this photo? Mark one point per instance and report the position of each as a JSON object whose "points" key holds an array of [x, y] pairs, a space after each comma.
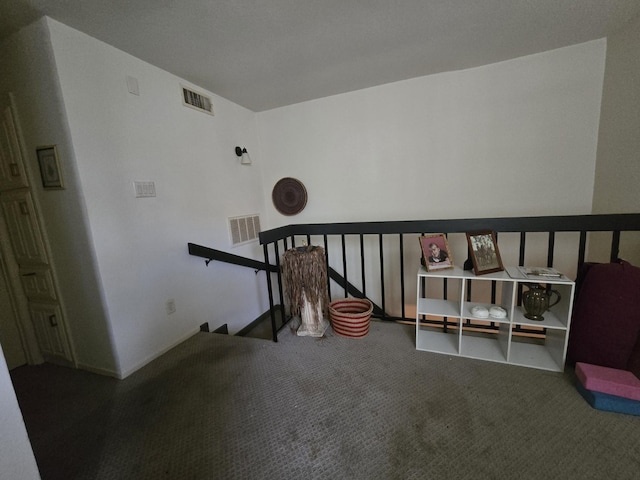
{"points": [[224, 407]]}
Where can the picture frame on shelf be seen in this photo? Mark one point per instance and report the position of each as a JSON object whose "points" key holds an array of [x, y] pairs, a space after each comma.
{"points": [[484, 252], [436, 254], [49, 163]]}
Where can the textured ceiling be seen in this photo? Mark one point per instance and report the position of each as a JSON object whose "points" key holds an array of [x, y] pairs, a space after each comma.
{"points": [[263, 54]]}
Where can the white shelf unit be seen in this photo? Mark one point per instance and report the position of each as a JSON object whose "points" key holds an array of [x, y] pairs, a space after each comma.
{"points": [[546, 351]]}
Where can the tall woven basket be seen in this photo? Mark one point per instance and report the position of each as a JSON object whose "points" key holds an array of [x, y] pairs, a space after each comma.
{"points": [[304, 273]]}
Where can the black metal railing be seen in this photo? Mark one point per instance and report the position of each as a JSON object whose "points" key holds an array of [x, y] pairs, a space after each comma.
{"points": [[210, 254], [370, 259]]}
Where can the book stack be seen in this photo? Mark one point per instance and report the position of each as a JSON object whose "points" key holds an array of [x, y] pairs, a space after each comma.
{"points": [[609, 389], [540, 272]]}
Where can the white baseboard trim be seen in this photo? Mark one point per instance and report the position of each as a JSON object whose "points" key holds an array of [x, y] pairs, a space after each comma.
{"points": [[100, 371], [151, 358]]}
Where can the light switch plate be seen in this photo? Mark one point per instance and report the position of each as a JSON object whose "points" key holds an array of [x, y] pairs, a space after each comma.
{"points": [[145, 189], [132, 85]]}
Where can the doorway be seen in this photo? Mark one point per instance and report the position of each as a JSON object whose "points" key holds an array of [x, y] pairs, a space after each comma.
{"points": [[34, 328], [10, 337]]}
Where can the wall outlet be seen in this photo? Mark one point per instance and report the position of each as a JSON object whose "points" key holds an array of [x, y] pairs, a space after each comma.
{"points": [[170, 306]]}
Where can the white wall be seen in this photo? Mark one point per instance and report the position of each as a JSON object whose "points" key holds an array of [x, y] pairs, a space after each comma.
{"points": [[16, 455], [513, 138], [618, 166], [141, 244], [517, 138]]}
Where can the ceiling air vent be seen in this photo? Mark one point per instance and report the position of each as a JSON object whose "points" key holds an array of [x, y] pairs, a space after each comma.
{"points": [[244, 229], [196, 100]]}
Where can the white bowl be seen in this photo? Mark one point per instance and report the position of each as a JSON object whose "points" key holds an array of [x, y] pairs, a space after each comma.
{"points": [[480, 312]]}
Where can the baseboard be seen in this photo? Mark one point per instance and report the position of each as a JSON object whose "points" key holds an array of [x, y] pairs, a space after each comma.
{"points": [[151, 358], [100, 371], [257, 321]]}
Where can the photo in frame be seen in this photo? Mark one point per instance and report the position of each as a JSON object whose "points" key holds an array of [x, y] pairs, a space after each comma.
{"points": [[435, 252], [50, 167], [483, 249]]}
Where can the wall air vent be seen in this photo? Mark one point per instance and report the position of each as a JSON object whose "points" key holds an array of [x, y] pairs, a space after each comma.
{"points": [[196, 100], [244, 229]]}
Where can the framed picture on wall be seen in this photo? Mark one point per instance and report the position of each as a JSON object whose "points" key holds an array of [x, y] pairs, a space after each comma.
{"points": [[483, 248], [49, 167], [435, 252]]}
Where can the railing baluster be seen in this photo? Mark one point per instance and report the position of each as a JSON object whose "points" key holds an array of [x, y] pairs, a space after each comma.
{"points": [[493, 286], [615, 246], [344, 267], [445, 320], [523, 243], [402, 299], [326, 257], [384, 308], [272, 312], [552, 240], [581, 250], [362, 269], [280, 289], [423, 286]]}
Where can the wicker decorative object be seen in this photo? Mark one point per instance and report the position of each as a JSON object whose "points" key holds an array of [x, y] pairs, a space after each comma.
{"points": [[351, 317], [304, 273], [289, 196]]}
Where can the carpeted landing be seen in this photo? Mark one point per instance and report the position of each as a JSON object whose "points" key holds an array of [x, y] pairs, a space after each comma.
{"points": [[224, 407]]}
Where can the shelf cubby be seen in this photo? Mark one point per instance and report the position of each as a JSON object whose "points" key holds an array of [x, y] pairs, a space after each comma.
{"points": [[435, 339], [490, 338]]}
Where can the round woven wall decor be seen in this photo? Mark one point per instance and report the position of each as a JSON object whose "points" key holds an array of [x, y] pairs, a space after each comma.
{"points": [[289, 196]]}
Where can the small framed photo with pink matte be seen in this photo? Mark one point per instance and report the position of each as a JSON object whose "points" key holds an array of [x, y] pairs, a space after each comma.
{"points": [[435, 252]]}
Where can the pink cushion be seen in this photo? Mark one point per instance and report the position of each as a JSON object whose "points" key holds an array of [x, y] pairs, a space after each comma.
{"points": [[620, 383]]}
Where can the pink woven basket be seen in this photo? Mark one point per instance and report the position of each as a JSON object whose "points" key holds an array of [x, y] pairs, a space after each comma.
{"points": [[350, 317]]}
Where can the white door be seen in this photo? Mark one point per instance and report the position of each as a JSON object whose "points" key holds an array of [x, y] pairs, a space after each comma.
{"points": [[10, 337], [50, 334], [39, 320], [12, 174], [22, 225]]}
